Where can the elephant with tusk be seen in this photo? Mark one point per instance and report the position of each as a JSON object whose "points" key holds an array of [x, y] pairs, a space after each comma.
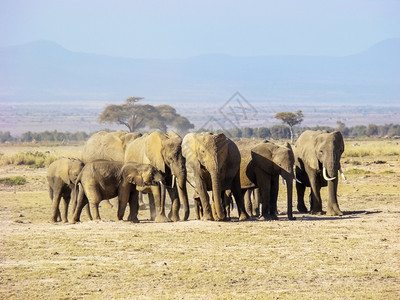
{"points": [[318, 156], [164, 152], [214, 161]]}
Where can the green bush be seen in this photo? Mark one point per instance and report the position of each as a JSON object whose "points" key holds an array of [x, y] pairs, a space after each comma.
{"points": [[16, 180]]}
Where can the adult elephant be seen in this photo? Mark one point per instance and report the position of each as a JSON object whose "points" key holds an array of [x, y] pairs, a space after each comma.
{"points": [[260, 168], [214, 161], [164, 152], [62, 175], [317, 164], [102, 179]]}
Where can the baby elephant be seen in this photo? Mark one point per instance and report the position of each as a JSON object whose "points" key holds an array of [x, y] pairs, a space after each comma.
{"points": [[61, 176], [102, 179]]}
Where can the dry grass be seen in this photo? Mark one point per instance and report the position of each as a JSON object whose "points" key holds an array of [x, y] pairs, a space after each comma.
{"points": [[372, 148], [315, 257]]}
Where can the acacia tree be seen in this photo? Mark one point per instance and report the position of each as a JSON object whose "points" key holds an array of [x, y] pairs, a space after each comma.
{"points": [[291, 119], [137, 116]]}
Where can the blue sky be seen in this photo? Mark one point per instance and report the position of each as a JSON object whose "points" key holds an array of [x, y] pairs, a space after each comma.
{"points": [[179, 29]]}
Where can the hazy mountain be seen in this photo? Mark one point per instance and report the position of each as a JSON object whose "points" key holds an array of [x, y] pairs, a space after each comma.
{"points": [[45, 71]]}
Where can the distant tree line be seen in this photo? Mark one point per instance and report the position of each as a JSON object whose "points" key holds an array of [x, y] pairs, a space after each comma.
{"points": [[45, 136], [283, 132], [276, 132]]}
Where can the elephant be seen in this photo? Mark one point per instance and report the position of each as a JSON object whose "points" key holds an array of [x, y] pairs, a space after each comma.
{"points": [[214, 161], [259, 172], [317, 164], [62, 175], [164, 152], [103, 179]]}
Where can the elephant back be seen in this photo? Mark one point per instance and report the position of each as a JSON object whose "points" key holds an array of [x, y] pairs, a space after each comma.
{"points": [[103, 145]]}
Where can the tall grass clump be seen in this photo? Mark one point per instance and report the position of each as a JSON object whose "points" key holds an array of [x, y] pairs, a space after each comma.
{"points": [[32, 159]]}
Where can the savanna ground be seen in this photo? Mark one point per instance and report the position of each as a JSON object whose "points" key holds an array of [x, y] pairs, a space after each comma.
{"points": [[356, 256]]}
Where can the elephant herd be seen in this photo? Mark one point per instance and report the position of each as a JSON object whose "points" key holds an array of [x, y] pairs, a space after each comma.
{"points": [[126, 165]]}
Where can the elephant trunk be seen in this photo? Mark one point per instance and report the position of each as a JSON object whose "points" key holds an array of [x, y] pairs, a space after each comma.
{"points": [[289, 187], [179, 177], [216, 189], [183, 196], [289, 178]]}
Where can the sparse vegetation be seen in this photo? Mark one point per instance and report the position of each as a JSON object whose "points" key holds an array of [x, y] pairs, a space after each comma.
{"points": [[357, 171], [34, 159], [365, 148], [16, 180]]}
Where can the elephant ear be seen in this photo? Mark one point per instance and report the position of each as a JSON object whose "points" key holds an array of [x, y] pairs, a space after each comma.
{"points": [[262, 155], [63, 171], [306, 147], [153, 150]]}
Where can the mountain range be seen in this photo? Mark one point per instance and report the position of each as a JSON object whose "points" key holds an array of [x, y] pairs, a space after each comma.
{"points": [[44, 71]]}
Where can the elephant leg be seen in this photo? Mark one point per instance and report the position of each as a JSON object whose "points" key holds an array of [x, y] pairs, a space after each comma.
{"points": [[205, 200], [157, 194], [213, 211], [300, 188], [142, 205], [247, 201], [94, 198], [197, 208], [264, 184], [256, 202], [86, 204], [81, 202], [67, 198], [94, 207], [333, 206], [152, 206], [236, 191], [134, 206], [124, 192], [56, 205], [316, 202], [175, 204], [274, 197], [227, 202]]}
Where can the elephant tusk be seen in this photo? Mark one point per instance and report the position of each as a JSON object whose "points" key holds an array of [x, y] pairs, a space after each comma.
{"points": [[173, 181], [326, 175], [295, 178], [283, 181], [341, 173]]}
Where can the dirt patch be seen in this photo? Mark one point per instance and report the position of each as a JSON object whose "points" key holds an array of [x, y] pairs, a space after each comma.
{"points": [[315, 257]]}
